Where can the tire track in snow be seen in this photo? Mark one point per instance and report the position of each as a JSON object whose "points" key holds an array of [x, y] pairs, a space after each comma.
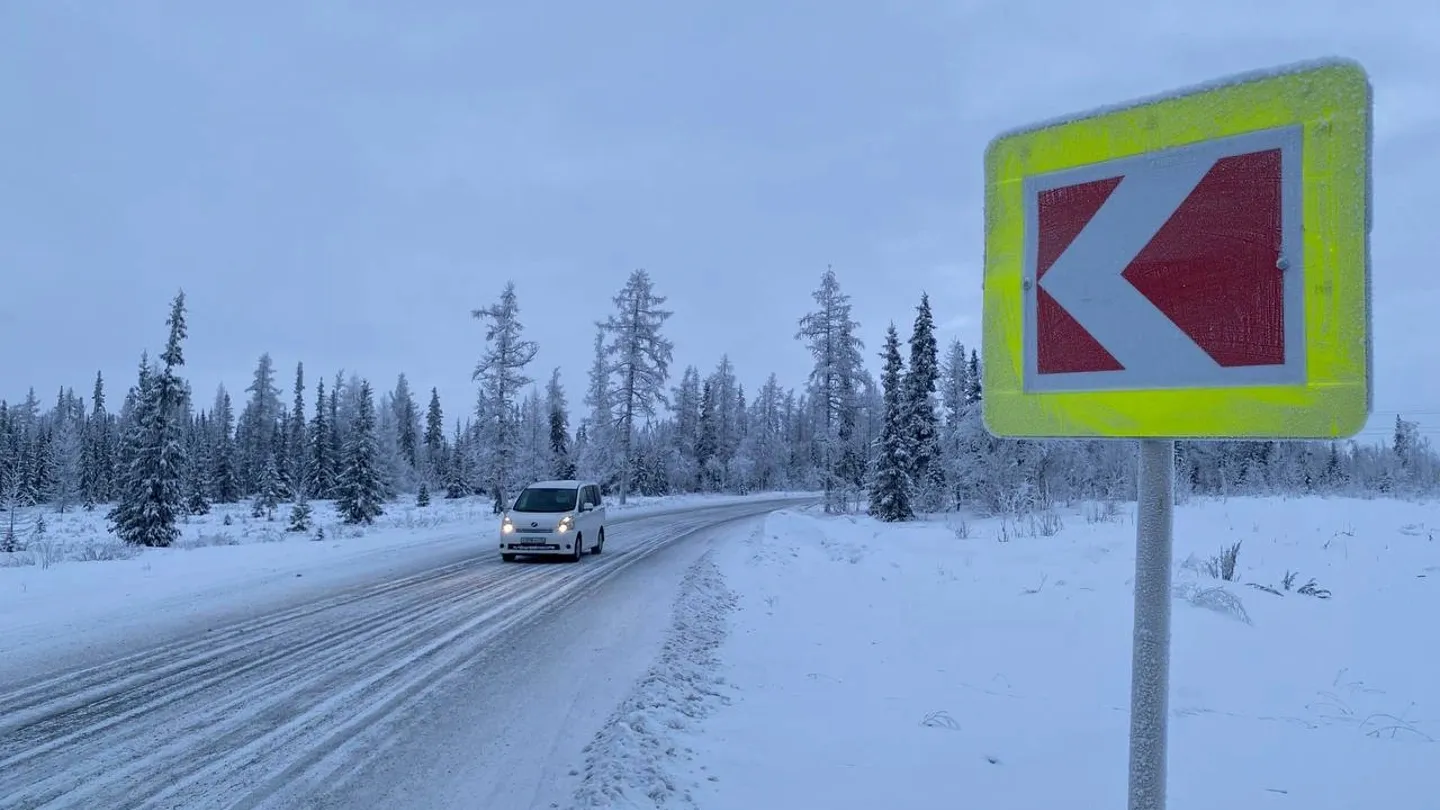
{"points": [[241, 715]]}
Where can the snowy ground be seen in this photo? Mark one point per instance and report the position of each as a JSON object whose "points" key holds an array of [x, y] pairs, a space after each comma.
{"points": [[841, 663], [75, 591]]}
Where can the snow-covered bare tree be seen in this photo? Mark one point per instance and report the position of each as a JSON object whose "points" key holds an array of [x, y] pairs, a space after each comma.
{"points": [[595, 441], [637, 363], [685, 433], [830, 335], [501, 374], [954, 385]]}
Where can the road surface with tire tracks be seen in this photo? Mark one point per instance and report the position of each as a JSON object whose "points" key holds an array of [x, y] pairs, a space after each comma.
{"points": [[260, 712]]}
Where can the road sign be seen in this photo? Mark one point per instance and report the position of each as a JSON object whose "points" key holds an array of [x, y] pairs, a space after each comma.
{"points": [[1193, 265]]}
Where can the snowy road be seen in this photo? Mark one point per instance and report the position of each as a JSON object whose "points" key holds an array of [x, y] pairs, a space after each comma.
{"points": [[326, 702]]}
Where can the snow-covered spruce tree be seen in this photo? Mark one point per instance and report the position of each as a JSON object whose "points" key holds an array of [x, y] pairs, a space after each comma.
{"points": [[97, 465], [650, 477], [297, 446], [830, 335], [407, 424], [336, 433], [434, 438], [974, 389], [637, 363], [595, 444], [954, 382], [281, 458], [562, 464], [422, 497], [151, 499], [321, 466], [685, 410], [225, 474], [255, 433], [533, 423], [927, 471], [197, 471], [300, 512], [501, 374], [10, 499], [767, 446], [67, 452], [890, 484], [394, 472], [27, 450], [360, 496], [30, 454], [457, 469], [869, 420], [720, 427], [267, 491], [707, 446]]}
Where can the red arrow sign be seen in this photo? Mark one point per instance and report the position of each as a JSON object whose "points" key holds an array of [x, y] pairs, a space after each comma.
{"points": [[1171, 265], [1212, 267]]}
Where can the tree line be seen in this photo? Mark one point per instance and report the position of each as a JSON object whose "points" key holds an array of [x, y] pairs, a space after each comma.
{"points": [[909, 443]]}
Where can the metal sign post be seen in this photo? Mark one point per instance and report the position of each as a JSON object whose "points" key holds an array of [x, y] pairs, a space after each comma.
{"points": [[1150, 659]]}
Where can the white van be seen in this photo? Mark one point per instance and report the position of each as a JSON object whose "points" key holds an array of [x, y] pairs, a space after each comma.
{"points": [[554, 518]]}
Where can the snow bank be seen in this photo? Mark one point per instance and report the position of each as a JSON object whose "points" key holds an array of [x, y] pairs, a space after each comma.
{"points": [[630, 762], [987, 664]]}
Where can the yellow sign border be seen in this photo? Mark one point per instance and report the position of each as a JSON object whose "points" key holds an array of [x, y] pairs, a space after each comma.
{"points": [[1332, 101]]}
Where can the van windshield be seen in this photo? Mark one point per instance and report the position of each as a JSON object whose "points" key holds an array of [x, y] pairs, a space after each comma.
{"points": [[546, 500]]}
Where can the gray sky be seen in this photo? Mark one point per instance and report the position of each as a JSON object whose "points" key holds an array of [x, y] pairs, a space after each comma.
{"points": [[340, 183]]}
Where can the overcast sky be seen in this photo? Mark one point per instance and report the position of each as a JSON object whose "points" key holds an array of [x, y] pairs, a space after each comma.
{"points": [[341, 183]]}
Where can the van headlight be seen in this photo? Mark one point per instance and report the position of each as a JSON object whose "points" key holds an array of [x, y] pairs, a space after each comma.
{"points": [[506, 527], [565, 524]]}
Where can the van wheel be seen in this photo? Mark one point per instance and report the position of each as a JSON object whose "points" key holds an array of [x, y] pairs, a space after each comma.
{"points": [[600, 545], [579, 544], [507, 558]]}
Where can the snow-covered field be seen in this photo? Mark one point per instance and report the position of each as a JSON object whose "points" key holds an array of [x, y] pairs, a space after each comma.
{"points": [[842, 663], [74, 586]]}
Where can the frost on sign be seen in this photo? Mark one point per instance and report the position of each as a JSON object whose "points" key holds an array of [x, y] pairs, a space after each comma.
{"points": [[1174, 269]]}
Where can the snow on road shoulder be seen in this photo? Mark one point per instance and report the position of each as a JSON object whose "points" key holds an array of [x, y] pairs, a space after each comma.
{"points": [[633, 761], [925, 665], [73, 587]]}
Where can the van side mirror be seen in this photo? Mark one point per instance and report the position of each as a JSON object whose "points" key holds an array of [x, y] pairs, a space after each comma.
{"points": [[587, 506]]}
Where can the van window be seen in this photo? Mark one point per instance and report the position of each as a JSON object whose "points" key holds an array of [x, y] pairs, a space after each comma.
{"points": [[535, 499]]}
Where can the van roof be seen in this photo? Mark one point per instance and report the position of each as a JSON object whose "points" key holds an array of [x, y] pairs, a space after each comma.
{"points": [[566, 484]]}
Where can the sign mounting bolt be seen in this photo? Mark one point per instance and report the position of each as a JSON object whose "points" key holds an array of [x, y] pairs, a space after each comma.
{"points": [[1027, 284], [1282, 264]]}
